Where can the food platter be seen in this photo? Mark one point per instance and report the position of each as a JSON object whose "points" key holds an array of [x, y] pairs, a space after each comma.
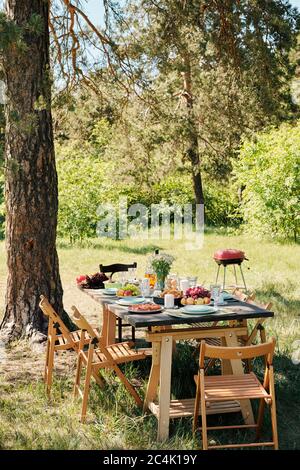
{"points": [[145, 309]]}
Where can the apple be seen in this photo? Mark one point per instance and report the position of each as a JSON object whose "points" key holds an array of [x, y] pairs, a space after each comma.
{"points": [[120, 292], [206, 300], [190, 301], [200, 301], [127, 293], [81, 278]]}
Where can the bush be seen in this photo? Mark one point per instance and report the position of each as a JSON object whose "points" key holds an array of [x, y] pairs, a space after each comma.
{"points": [[268, 169], [81, 188]]}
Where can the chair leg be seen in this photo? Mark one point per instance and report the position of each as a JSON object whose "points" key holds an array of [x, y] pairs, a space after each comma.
{"points": [[87, 383], [273, 409], [260, 417], [99, 379], [50, 365], [274, 425], [128, 386], [197, 404], [133, 334], [78, 375], [120, 330], [47, 361], [203, 416]]}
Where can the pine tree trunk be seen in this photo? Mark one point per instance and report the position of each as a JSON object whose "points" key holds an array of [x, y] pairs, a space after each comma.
{"points": [[192, 151], [31, 179]]}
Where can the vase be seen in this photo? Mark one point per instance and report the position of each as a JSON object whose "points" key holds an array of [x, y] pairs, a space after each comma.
{"points": [[161, 279]]}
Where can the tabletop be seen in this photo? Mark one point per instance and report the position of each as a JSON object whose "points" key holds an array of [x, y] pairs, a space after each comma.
{"points": [[233, 310]]}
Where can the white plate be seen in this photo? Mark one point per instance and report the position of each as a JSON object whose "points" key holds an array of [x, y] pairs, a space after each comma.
{"points": [[130, 301], [198, 309]]}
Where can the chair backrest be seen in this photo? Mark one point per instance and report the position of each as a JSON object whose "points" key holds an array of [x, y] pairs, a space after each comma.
{"points": [[49, 311], [266, 306], [116, 268], [84, 325], [243, 352], [242, 296], [95, 340]]}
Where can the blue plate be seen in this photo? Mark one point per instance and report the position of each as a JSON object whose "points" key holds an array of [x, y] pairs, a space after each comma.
{"points": [[198, 309], [110, 291], [130, 301]]}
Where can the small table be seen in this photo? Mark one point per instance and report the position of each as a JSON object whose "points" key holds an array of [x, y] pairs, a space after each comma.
{"points": [[163, 330]]}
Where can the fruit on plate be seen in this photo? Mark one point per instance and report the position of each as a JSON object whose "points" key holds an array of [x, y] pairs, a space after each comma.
{"points": [[95, 281], [196, 296], [146, 308], [129, 290], [177, 293]]}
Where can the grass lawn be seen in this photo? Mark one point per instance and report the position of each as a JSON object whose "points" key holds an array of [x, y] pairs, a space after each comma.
{"points": [[29, 421]]}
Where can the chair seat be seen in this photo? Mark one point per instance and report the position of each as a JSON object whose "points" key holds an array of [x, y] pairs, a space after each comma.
{"points": [[120, 352], [237, 387]]}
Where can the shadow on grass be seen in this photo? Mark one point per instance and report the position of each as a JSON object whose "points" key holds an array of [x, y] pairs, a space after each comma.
{"points": [[287, 380], [117, 246], [269, 292]]}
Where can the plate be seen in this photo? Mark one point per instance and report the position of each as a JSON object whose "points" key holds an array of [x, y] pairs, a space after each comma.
{"points": [[198, 309], [125, 301], [110, 291]]}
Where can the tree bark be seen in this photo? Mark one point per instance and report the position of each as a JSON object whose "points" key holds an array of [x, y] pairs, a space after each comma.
{"points": [[192, 151], [31, 178]]}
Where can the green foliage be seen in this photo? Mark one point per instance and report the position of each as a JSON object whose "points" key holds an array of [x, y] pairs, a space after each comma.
{"points": [[10, 33], [268, 168], [35, 24], [81, 190]]}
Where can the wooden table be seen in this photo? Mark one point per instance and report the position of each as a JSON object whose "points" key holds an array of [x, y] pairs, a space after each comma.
{"points": [[163, 330]]}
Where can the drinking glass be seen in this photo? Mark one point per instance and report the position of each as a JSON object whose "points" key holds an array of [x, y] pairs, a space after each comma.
{"points": [[145, 287], [216, 290], [122, 275], [192, 281], [132, 273]]}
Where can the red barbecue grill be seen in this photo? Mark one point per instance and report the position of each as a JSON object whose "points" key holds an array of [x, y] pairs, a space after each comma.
{"points": [[227, 257]]}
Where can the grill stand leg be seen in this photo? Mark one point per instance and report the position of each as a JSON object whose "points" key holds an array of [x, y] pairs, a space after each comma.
{"points": [[224, 278], [235, 276], [243, 278], [218, 271]]}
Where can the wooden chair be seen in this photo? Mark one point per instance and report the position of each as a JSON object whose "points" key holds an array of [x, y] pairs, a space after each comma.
{"points": [[98, 357], [251, 337], [217, 341], [65, 340], [233, 387], [112, 269]]}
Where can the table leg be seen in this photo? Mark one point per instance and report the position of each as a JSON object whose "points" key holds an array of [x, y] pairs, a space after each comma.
{"points": [[104, 326], [111, 328], [237, 369], [153, 382], [225, 364], [108, 332], [165, 388]]}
